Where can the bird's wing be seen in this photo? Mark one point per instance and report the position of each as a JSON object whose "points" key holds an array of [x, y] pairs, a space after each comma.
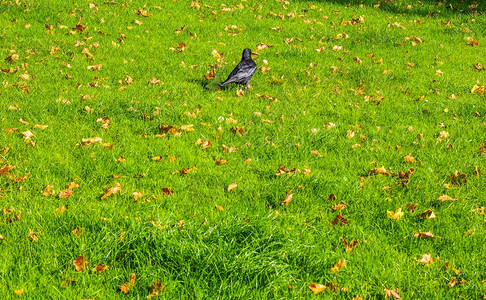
{"points": [[243, 70]]}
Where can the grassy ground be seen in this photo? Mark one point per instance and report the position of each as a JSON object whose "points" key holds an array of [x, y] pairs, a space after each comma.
{"points": [[342, 90]]}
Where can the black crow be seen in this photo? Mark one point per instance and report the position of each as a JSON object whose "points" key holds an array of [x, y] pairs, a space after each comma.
{"points": [[243, 72]]}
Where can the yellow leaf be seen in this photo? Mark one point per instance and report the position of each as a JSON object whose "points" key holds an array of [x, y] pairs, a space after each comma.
{"points": [[409, 159], [19, 292], [396, 215], [338, 266], [155, 289], [65, 193], [392, 293], [287, 200]]}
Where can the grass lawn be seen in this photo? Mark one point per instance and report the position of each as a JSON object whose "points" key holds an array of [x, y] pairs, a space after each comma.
{"points": [[350, 169]]}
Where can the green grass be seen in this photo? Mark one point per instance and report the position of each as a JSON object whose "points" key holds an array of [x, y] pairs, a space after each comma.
{"points": [[253, 248]]}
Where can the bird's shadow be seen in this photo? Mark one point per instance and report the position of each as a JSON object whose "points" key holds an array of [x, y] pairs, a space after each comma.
{"points": [[207, 85]]}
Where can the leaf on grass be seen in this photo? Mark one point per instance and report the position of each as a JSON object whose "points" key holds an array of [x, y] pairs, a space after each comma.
{"points": [[421, 234], [65, 193], [409, 159], [90, 141], [19, 292], [379, 171], [349, 245], [113, 190], [232, 186], [339, 220], [392, 293], [395, 215], [167, 191], [33, 236], [60, 209], [446, 198], [48, 191], [155, 289], [80, 263], [317, 287], [458, 178], [137, 195], [442, 136], [479, 210], [218, 207], [426, 259], [428, 214], [339, 206], [287, 199], [338, 266], [128, 285], [100, 268], [454, 282], [78, 232]]}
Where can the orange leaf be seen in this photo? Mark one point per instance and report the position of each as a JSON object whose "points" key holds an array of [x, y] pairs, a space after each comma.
{"points": [[218, 207], [48, 191], [409, 159], [421, 234], [32, 236], [338, 266], [317, 287], [100, 268], [128, 285], [287, 200], [19, 292], [80, 263], [167, 191], [232, 186], [339, 220], [113, 190], [446, 198], [65, 193]]}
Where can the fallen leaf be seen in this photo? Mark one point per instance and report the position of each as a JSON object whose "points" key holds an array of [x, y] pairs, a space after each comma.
{"points": [[428, 214], [426, 259], [317, 287], [65, 193], [421, 234], [113, 190], [48, 191], [287, 200], [349, 245], [167, 191], [78, 232], [454, 282], [395, 215], [339, 220], [19, 292], [232, 186], [128, 285], [33, 236], [218, 207], [137, 195], [155, 289], [338, 266], [100, 268], [339, 206], [392, 293], [80, 263], [446, 198], [90, 141], [409, 159]]}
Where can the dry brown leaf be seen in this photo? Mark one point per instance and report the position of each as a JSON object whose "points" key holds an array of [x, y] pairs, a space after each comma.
{"points": [[220, 162], [167, 191], [65, 193], [287, 200], [137, 195], [426, 259], [339, 220], [446, 198], [113, 190], [392, 293], [80, 263], [100, 268], [32, 235], [155, 289], [90, 141], [78, 232], [428, 214], [48, 191], [338, 266], [125, 288], [409, 159], [232, 186], [421, 234], [317, 287], [339, 206], [454, 282], [349, 245]]}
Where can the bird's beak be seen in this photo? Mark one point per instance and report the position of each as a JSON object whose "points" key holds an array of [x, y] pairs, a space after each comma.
{"points": [[255, 53]]}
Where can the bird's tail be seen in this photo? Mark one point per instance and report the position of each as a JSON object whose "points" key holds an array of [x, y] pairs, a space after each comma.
{"points": [[222, 83]]}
